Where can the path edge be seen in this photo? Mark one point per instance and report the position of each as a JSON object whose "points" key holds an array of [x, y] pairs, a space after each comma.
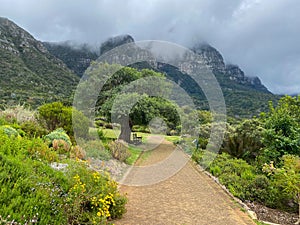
{"points": [[250, 212]]}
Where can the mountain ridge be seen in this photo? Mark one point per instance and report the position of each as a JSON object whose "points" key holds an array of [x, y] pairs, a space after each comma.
{"points": [[29, 72], [34, 72]]}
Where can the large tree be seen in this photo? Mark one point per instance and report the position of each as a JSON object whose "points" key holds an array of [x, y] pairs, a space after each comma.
{"points": [[131, 97]]}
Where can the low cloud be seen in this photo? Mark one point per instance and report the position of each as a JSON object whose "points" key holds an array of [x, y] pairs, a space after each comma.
{"points": [[260, 36]]}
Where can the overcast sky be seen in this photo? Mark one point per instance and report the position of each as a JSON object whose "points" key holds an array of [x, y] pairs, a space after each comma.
{"points": [[261, 36]]}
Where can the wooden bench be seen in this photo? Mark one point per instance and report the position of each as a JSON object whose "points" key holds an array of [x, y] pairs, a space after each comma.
{"points": [[136, 139]]}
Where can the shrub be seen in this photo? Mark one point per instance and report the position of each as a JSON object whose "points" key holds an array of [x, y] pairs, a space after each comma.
{"points": [[8, 130], [236, 174], [101, 134], [95, 149], [119, 150], [18, 114], [60, 146], [39, 150], [51, 115], [58, 134], [260, 189], [93, 195], [32, 188], [77, 152], [32, 191], [33, 129], [55, 115]]}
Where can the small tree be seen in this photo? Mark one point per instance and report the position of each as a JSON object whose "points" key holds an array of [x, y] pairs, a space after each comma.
{"points": [[282, 130], [287, 177], [55, 115]]}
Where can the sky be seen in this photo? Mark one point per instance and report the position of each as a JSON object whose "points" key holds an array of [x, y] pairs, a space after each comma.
{"points": [[261, 36]]}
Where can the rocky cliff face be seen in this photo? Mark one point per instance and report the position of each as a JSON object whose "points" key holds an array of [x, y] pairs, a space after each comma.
{"points": [[115, 42], [16, 40], [214, 60], [236, 74]]}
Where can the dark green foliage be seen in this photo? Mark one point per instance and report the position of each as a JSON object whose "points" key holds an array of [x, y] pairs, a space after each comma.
{"points": [[271, 145], [51, 115], [33, 129], [282, 130], [77, 58], [55, 115], [148, 108], [140, 107], [245, 182], [244, 139]]}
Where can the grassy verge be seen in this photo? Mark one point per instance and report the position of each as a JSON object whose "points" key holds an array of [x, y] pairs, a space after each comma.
{"points": [[173, 139], [135, 153]]}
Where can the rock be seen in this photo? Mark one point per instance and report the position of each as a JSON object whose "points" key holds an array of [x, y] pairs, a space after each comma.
{"points": [[252, 214], [58, 166]]}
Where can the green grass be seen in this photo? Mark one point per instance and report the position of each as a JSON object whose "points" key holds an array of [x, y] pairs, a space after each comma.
{"points": [[135, 153], [108, 133], [145, 155], [173, 139], [111, 133], [259, 223]]}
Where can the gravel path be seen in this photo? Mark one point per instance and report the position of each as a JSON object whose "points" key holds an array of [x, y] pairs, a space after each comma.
{"points": [[188, 197]]}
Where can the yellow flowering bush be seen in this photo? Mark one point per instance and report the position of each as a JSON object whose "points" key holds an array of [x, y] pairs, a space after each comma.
{"points": [[95, 195]]}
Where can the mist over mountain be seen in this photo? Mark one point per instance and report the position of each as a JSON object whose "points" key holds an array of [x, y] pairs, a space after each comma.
{"points": [[36, 72], [244, 95], [76, 56]]}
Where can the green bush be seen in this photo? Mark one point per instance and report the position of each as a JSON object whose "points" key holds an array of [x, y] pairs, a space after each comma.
{"points": [[33, 129], [8, 130], [58, 134], [141, 128], [39, 150], [55, 115], [236, 174], [101, 134], [93, 195], [32, 191]]}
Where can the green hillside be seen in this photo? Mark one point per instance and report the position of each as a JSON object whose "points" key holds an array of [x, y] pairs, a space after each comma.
{"points": [[29, 73]]}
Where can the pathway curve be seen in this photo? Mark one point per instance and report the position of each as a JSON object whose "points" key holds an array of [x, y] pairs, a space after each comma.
{"points": [[188, 197]]}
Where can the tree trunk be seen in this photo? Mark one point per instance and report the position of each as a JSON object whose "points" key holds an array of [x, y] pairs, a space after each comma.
{"points": [[125, 130]]}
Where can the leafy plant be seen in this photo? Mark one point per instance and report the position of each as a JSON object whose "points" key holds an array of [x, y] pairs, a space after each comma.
{"points": [[55, 115], [58, 134], [119, 150], [8, 130]]}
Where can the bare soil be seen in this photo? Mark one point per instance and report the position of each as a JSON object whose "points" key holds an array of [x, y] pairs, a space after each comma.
{"points": [[273, 215]]}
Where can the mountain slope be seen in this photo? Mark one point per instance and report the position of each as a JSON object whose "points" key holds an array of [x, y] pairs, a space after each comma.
{"points": [[29, 73], [76, 57], [244, 96]]}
